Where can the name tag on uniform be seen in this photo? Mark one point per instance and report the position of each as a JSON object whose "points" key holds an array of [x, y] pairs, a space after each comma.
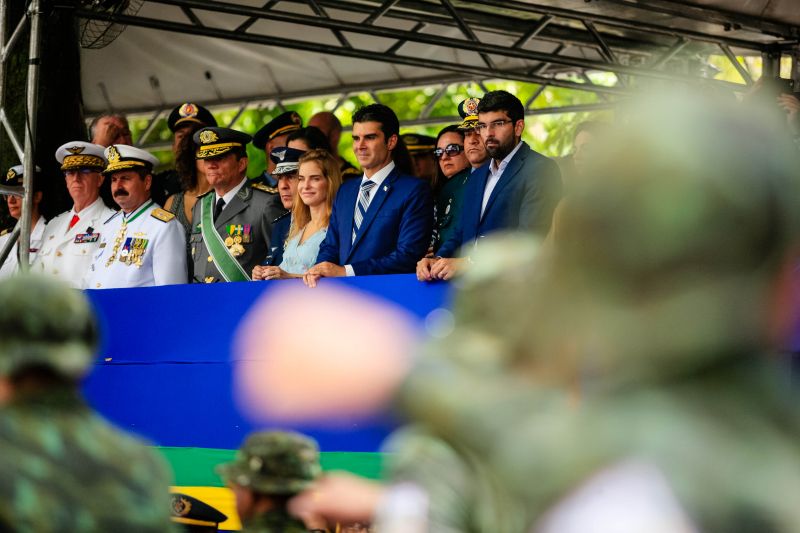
{"points": [[82, 238]]}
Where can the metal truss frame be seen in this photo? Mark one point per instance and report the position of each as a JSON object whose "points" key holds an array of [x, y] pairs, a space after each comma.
{"points": [[629, 48], [26, 152]]}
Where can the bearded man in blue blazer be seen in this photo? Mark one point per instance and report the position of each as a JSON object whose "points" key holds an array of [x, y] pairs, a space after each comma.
{"points": [[381, 223], [517, 188]]}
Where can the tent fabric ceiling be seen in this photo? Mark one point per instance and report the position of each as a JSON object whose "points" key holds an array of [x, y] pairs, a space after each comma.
{"points": [[219, 58]]}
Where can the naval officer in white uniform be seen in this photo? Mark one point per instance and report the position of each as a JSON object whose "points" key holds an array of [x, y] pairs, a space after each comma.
{"points": [[141, 245], [14, 179], [72, 238]]}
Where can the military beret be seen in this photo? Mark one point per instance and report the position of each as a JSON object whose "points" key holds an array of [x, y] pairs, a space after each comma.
{"points": [[468, 109], [81, 154], [418, 144], [284, 123], [124, 157], [285, 159], [14, 175], [187, 113], [215, 142], [186, 509], [274, 462]]}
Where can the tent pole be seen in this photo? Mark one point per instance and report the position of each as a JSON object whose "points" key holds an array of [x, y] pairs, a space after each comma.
{"points": [[35, 14]]}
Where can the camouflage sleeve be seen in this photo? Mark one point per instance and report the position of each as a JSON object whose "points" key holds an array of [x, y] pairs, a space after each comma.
{"points": [[431, 464]]}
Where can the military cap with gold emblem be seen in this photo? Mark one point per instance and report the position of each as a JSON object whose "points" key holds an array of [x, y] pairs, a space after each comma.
{"points": [[468, 109], [124, 157], [214, 142], [286, 160], [189, 113], [418, 144], [282, 124], [81, 154], [190, 511], [14, 175]]}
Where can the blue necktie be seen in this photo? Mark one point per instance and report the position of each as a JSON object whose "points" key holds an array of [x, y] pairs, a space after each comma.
{"points": [[363, 203]]}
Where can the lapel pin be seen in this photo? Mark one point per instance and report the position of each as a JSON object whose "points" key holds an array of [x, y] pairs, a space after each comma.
{"points": [[385, 188]]}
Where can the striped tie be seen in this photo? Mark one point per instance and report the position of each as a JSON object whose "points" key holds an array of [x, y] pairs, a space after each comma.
{"points": [[363, 203]]}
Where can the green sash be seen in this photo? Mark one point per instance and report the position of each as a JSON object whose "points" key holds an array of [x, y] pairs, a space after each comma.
{"points": [[227, 265]]}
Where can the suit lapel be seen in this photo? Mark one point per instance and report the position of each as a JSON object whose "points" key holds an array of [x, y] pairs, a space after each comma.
{"points": [[379, 195], [236, 206], [508, 175]]}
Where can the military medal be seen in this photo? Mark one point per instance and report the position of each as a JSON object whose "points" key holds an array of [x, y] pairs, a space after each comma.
{"points": [[229, 241]]}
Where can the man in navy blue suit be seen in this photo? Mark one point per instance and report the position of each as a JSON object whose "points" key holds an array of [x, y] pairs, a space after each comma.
{"points": [[380, 224], [517, 188]]}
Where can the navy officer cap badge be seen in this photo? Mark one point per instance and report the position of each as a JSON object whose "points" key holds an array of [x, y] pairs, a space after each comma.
{"points": [[215, 142], [284, 123], [286, 160], [468, 109], [124, 157], [81, 154], [189, 113]]}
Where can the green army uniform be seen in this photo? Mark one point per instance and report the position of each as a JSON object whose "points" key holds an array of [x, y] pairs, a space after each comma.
{"points": [[654, 296], [238, 239], [64, 467], [448, 207], [273, 463]]}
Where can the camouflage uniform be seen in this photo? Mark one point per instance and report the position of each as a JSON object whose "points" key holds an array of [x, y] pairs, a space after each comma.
{"points": [[274, 463], [65, 468], [654, 296]]}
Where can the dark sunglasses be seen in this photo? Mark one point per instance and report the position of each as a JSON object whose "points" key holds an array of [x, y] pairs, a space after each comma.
{"points": [[450, 149]]}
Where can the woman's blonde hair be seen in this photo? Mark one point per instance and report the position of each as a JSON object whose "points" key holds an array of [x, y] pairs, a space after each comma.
{"points": [[301, 214]]}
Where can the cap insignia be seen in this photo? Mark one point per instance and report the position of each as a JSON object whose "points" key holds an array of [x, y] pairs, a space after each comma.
{"points": [[280, 154], [181, 506], [471, 106], [188, 110], [75, 150], [208, 136], [113, 154], [11, 174]]}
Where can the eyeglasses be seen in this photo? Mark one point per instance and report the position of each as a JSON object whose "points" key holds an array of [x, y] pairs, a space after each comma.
{"points": [[450, 149], [480, 126], [80, 172]]}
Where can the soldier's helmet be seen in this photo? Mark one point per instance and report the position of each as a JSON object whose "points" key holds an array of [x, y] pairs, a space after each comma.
{"points": [[45, 323], [274, 462]]}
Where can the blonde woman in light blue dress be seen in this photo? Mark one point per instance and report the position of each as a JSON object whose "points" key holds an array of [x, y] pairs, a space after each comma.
{"points": [[318, 181]]}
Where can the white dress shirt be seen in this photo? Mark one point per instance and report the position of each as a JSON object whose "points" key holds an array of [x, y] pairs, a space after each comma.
{"points": [[228, 196], [495, 173], [378, 178]]}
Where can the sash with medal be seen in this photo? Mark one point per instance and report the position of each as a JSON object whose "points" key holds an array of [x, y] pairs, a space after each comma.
{"points": [[222, 254]]}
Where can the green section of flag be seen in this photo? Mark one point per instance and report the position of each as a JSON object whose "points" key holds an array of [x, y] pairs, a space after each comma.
{"points": [[195, 466]]}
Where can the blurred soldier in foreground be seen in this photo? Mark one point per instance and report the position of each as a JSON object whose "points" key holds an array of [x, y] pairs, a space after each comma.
{"points": [[670, 281], [270, 468], [64, 468]]}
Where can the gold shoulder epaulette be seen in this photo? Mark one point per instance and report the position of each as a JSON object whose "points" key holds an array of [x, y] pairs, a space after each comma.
{"points": [[265, 188], [162, 215], [351, 170]]}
